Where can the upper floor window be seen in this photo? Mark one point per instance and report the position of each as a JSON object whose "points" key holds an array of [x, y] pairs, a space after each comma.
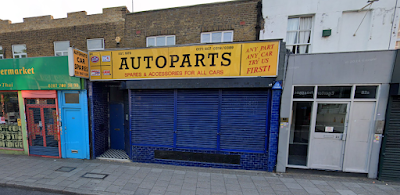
{"points": [[95, 44], [61, 48], [298, 37], [217, 37], [1, 53], [160, 41], [19, 51]]}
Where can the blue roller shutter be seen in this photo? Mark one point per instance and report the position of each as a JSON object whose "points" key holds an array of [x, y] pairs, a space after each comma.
{"points": [[211, 119], [153, 117], [243, 120], [197, 119]]}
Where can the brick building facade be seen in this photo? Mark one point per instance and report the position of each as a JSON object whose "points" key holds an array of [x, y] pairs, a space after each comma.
{"points": [[230, 137], [39, 33], [186, 23]]}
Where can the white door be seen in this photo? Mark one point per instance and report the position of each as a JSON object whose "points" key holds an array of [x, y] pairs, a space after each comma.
{"points": [[356, 155], [328, 135]]}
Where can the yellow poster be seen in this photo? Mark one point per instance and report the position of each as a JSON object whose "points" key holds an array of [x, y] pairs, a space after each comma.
{"points": [[260, 59], [78, 65], [200, 61]]}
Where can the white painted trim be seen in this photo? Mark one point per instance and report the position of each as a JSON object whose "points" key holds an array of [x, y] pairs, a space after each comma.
{"points": [[71, 64]]}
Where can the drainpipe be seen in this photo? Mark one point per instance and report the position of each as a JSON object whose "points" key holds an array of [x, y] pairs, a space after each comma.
{"points": [[394, 16], [259, 19]]}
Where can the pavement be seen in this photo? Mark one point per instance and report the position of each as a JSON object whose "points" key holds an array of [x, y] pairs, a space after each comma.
{"points": [[19, 191], [73, 176]]}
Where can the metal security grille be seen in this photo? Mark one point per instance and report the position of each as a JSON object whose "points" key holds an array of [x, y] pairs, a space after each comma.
{"points": [[390, 153], [220, 119], [243, 120], [43, 133], [153, 117], [197, 119]]}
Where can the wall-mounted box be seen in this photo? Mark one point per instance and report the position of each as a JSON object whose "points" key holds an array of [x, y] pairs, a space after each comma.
{"points": [[326, 32]]}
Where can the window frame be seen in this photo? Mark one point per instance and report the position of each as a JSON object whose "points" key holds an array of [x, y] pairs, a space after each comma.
{"points": [[21, 54], [222, 36], [155, 40], [74, 93], [102, 41], [298, 33], [62, 51]]}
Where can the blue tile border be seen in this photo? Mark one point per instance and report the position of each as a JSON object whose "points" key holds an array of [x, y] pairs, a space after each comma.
{"points": [[274, 129], [98, 97], [248, 161]]}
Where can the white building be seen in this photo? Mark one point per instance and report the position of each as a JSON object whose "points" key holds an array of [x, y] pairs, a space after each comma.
{"points": [[320, 26], [311, 135]]}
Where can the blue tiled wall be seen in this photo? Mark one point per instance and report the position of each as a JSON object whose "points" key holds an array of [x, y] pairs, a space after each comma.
{"points": [[98, 97], [249, 161], [273, 129]]}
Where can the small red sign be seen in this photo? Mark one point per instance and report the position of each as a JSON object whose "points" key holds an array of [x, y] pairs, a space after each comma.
{"points": [[95, 73], [106, 72], [94, 59]]}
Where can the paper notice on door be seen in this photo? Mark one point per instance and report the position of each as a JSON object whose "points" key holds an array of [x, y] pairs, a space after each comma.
{"points": [[329, 129]]}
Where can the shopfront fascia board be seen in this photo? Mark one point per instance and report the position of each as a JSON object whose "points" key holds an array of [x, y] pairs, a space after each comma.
{"points": [[225, 60], [41, 73], [209, 83]]}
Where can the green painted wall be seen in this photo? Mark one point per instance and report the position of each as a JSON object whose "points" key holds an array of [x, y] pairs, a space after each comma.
{"points": [[12, 152], [23, 122]]}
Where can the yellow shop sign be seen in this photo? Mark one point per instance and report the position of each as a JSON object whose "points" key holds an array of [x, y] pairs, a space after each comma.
{"points": [[78, 63], [219, 60]]}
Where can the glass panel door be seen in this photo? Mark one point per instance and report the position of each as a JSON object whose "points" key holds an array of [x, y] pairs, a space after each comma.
{"points": [[300, 133], [331, 118], [328, 136]]}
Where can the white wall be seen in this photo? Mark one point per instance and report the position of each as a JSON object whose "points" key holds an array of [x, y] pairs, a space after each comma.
{"points": [[376, 31]]}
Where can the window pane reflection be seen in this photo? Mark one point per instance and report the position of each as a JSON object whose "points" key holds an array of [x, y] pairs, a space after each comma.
{"points": [[331, 118], [300, 133]]}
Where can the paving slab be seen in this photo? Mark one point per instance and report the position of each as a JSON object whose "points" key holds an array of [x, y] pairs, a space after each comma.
{"points": [[145, 179]]}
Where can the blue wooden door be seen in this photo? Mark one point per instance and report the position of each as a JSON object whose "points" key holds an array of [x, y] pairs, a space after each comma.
{"points": [[73, 133], [117, 140], [74, 121]]}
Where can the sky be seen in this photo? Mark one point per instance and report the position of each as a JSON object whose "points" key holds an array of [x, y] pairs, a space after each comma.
{"points": [[15, 11]]}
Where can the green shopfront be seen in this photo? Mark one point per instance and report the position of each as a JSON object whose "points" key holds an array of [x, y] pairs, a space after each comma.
{"points": [[30, 106]]}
